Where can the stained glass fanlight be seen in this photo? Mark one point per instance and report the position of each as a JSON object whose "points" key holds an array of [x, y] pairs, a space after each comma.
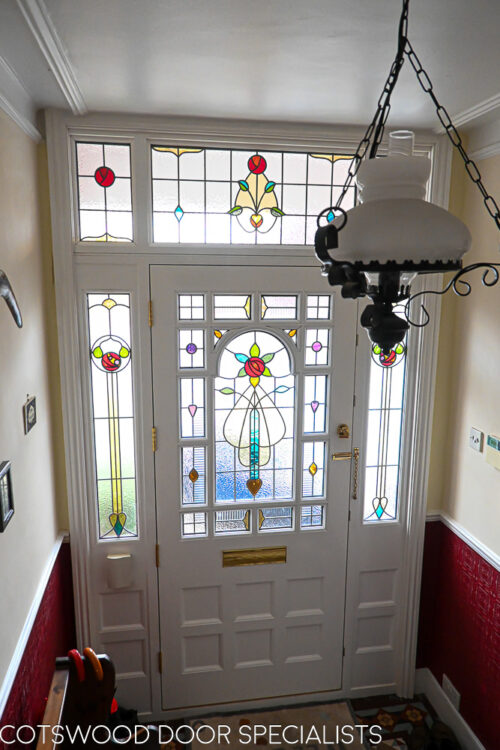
{"points": [[113, 413]]}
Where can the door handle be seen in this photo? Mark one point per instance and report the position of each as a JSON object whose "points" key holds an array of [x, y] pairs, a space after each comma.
{"points": [[347, 456]]}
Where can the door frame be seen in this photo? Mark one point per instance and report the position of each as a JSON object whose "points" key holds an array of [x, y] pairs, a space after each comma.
{"points": [[70, 257]]}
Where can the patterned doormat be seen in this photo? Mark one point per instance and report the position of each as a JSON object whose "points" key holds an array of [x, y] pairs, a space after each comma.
{"points": [[398, 717], [304, 727]]}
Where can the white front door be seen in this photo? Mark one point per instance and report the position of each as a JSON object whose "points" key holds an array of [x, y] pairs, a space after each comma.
{"points": [[253, 371]]}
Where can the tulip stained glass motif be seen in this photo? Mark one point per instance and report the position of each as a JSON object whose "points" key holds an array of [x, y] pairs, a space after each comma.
{"points": [[110, 355], [254, 419], [256, 205]]}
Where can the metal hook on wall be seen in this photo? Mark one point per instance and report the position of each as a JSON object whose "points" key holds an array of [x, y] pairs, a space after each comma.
{"points": [[8, 295]]}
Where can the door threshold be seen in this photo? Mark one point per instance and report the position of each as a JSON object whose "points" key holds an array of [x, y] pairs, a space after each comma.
{"points": [[254, 704]]}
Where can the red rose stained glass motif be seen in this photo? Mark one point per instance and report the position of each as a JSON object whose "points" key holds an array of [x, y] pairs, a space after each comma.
{"points": [[257, 164], [254, 367], [104, 176]]}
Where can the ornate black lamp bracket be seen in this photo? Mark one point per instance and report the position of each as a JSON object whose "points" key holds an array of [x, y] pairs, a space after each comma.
{"points": [[459, 285]]}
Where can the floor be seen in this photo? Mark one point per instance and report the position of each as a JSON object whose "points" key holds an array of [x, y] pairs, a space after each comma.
{"points": [[399, 718]]}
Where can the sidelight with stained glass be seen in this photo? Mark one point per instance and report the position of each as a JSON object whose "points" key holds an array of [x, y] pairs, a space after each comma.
{"points": [[113, 413]]}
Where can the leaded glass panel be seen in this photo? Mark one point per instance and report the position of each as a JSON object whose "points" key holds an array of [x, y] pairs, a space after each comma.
{"points": [[191, 349], [254, 419], [383, 446], [192, 392], [104, 186], [113, 413], [314, 403], [231, 196]]}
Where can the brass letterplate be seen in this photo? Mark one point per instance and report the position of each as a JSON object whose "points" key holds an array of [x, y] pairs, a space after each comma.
{"points": [[260, 556]]}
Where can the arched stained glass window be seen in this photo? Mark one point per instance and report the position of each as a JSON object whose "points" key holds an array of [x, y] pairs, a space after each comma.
{"points": [[254, 419]]}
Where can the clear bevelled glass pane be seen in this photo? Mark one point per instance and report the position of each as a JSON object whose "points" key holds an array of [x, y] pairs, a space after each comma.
{"points": [[194, 524], [191, 348], [315, 403], [273, 519], [313, 469], [191, 306], [312, 516], [279, 307], [232, 306], [232, 521], [113, 416], [193, 474], [317, 347], [192, 392]]}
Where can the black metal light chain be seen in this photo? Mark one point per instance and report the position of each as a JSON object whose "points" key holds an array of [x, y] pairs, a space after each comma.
{"points": [[377, 125], [452, 133]]}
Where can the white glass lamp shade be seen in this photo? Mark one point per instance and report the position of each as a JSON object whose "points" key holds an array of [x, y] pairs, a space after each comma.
{"points": [[394, 222]]}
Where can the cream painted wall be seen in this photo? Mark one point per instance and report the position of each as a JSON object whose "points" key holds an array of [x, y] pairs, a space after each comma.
{"points": [[26, 544], [468, 386]]}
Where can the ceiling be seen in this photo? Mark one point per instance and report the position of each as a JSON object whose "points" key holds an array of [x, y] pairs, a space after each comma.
{"points": [[319, 61]]}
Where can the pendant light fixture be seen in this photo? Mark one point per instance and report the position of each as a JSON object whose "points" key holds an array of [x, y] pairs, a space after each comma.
{"points": [[379, 246]]}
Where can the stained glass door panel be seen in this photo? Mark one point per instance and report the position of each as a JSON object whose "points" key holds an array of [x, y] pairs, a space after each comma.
{"points": [[253, 368]]}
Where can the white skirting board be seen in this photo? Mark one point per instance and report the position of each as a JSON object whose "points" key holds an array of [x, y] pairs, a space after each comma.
{"points": [[6, 686], [425, 682]]}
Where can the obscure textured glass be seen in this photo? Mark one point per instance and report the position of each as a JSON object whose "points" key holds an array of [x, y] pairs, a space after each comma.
{"points": [[191, 348], [313, 474], [312, 516], [192, 407], [113, 413], [104, 192], [231, 521], [232, 306], [317, 346], [193, 474], [191, 306], [194, 524], [279, 307], [315, 403], [230, 196], [273, 519], [318, 306]]}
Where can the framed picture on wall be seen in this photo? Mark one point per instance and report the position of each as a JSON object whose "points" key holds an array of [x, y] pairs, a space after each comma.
{"points": [[29, 414], [6, 497]]}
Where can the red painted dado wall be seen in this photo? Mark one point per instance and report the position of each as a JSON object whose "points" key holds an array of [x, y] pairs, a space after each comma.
{"points": [[52, 634], [459, 630]]}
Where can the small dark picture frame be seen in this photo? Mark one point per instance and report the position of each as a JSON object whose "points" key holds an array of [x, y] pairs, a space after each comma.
{"points": [[29, 414], [6, 496]]}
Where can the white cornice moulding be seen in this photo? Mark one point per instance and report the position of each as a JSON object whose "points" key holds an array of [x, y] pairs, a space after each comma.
{"points": [[468, 116], [473, 542], [17, 656], [16, 101], [46, 36]]}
